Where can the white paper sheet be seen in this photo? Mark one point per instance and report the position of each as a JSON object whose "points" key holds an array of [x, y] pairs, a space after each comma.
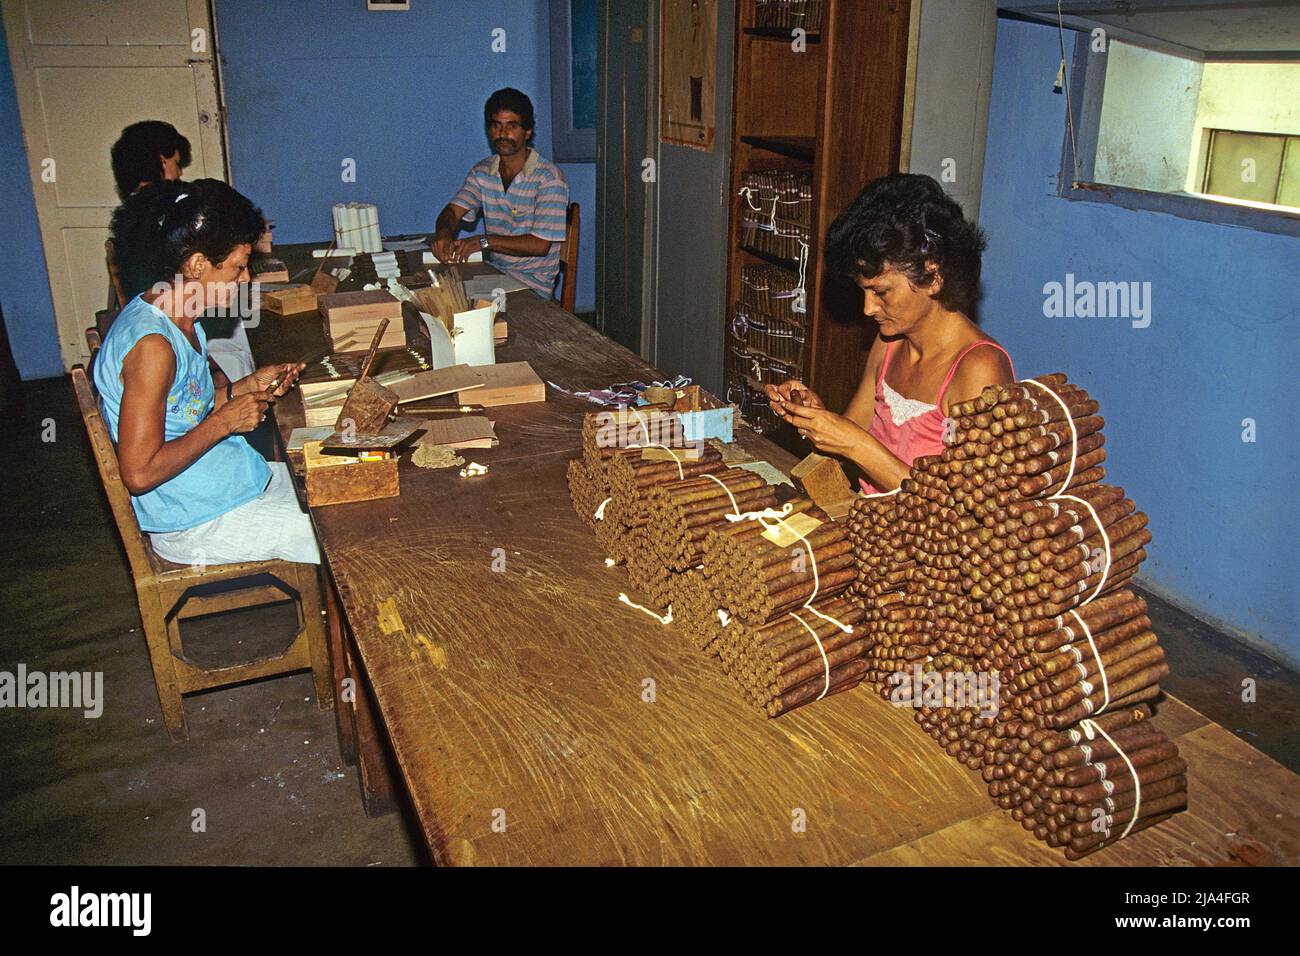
{"points": [[405, 245], [431, 260], [484, 287]]}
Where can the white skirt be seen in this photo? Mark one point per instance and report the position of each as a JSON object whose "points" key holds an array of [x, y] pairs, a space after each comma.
{"points": [[270, 526]]}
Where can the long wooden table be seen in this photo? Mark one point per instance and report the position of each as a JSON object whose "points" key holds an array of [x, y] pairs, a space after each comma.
{"points": [[516, 699]]}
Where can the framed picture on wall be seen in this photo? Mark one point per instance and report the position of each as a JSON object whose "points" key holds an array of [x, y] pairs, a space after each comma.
{"points": [[573, 80], [388, 4], [687, 72]]}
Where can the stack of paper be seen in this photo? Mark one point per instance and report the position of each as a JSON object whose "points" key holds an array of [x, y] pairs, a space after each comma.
{"points": [[469, 431]]}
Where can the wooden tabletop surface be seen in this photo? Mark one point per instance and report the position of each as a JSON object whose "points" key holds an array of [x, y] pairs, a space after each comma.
{"points": [[515, 699]]}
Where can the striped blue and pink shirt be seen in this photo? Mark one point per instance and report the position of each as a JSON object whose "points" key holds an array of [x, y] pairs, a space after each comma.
{"points": [[535, 204]]}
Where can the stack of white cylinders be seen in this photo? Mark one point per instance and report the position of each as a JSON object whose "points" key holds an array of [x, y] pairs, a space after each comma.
{"points": [[356, 226]]}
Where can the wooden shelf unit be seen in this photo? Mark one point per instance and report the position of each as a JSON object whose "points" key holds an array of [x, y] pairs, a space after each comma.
{"points": [[833, 111], [776, 33]]}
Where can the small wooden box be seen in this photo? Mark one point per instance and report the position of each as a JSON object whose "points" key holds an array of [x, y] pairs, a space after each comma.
{"points": [[823, 480], [289, 299], [351, 319], [338, 479], [293, 450], [266, 268], [506, 383], [362, 306], [322, 413]]}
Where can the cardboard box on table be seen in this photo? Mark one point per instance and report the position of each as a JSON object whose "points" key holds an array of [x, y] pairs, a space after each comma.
{"points": [[702, 415], [470, 341]]}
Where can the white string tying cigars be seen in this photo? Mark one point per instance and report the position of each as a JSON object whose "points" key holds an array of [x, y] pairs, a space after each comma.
{"points": [[826, 664], [762, 517], [645, 430], [723, 616], [778, 201], [1105, 539], [661, 618], [1074, 434], [681, 475], [1101, 669], [769, 226], [803, 265], [1090, 728], [734, 507], [1069, 476], [882, 494]]}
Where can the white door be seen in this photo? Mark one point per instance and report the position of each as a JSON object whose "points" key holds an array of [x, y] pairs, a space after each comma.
{"points": [[83, 70]]}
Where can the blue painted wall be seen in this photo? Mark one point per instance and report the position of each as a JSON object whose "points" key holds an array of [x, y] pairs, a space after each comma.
{"points": [[24, 283], [311, 83], [1221, 347]]}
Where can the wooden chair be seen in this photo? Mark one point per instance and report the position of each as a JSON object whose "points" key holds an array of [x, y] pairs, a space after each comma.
{"points": [[11, 383], [114, 277], [169, 593], [93, 342], [569, 258]]}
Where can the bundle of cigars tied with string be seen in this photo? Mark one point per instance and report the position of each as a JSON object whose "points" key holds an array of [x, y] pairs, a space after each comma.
{"points": [[994, 588], [753, 573]]}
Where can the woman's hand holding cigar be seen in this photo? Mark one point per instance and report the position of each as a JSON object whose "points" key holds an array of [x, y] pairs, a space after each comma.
{"points": [[792, 392]]}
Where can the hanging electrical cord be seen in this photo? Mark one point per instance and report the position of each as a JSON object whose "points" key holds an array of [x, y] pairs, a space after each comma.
{"points": [[1069, 110]]}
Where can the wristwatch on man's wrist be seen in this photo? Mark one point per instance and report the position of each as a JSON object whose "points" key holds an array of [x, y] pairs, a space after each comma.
{"points": [[230, 390], [483, 242]]}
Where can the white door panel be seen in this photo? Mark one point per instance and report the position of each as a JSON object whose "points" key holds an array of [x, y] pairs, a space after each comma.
{"points": [[85, 177], [85, 271], [122, 23]]}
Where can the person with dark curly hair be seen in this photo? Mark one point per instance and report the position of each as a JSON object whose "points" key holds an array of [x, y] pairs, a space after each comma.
{"points": [[153, 151], [523, 200], [906, 244], [147, 152], [200, 491]]}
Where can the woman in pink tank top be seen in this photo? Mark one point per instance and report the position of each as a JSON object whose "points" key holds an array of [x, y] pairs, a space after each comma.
{"points": [[917, 260]]}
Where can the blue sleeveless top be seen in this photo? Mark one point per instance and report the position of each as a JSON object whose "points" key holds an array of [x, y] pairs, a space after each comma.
{"points": [[227, 475]]}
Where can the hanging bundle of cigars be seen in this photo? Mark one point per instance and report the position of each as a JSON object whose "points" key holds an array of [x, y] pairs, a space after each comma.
{"points": [[751, 572], [789, 14], [777, 212], [1000, 568]]}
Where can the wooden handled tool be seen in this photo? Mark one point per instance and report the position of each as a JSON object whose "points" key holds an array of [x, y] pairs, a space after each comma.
{"points": [[374, 348]]}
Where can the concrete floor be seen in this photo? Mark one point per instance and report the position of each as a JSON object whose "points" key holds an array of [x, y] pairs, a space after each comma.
{"points": [[262, 762]]}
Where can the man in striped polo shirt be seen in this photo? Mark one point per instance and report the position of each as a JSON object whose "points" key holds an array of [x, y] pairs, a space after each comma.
{"points": [[522, 197]]}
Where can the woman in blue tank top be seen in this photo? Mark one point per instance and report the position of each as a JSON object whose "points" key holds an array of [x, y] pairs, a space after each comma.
{"points": [[198, 488]]}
